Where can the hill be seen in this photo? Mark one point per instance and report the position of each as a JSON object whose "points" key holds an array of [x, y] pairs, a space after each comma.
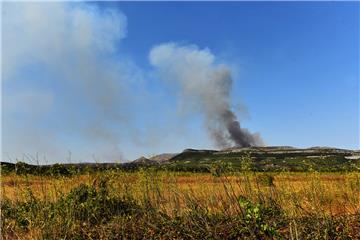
{"points": [[273, 158], [164, 157]]}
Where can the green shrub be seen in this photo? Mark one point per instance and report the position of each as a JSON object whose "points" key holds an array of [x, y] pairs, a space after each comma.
{"points": [[260, 219]]}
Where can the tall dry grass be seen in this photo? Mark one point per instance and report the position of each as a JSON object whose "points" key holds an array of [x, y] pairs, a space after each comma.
{"points": [[169, 205]]}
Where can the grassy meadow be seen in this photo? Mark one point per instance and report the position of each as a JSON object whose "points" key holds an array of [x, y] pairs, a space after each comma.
{"points": [[153, 204]]}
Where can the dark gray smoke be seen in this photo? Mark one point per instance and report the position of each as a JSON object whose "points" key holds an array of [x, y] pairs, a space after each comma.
{"points": [[241, 137], [207, 85]]}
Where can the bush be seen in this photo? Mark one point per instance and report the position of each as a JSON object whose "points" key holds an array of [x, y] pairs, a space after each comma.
{"points": [[260, 219]]}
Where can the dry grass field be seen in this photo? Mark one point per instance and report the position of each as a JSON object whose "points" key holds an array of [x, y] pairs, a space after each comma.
{"points": [[171, 205]]}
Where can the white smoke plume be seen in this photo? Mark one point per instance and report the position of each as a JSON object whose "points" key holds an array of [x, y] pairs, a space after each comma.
{"points": [[202, 80], [61, 53]]}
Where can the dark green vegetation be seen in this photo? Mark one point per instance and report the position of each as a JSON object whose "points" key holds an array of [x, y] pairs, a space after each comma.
{"points": [[260, 159]]}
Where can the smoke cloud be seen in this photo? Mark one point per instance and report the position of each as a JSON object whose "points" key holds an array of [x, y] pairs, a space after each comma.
{"points": [[61, 82], [67, 86], [207, 83]]}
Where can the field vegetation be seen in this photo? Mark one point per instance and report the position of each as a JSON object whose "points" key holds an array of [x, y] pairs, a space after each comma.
{"points": [[157, 204]]}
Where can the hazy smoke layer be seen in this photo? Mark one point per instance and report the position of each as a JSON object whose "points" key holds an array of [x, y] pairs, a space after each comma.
{"points": [[208, 84], [59, 77]]}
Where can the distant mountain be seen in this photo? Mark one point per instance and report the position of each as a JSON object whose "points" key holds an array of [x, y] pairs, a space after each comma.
{"points": [[273, 158]]}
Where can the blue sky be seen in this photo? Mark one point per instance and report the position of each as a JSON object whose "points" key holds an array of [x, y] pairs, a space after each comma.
{"points": [[295, 70]]}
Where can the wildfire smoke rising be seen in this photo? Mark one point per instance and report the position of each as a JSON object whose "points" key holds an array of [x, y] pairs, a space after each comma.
{"points": [[65, 74], [208, 84]]}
